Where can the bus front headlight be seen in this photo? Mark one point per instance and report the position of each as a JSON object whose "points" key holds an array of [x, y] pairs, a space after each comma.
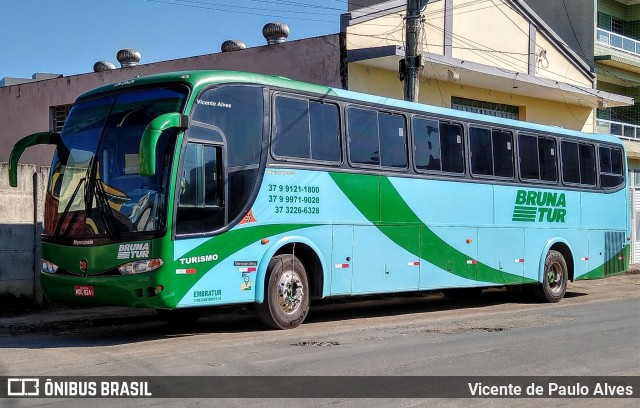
{"points": [[141, 266], [49, 267]]}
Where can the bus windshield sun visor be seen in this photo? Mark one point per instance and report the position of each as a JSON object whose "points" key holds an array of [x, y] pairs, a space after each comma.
{"points": [[28, 141], [152, 133]]}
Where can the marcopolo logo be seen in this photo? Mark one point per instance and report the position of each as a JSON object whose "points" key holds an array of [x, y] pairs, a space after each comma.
{"points": [[539, 206]]}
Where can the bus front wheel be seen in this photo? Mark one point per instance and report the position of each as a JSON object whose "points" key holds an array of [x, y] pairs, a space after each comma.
{"points": [[554, 281], [286, 298]]}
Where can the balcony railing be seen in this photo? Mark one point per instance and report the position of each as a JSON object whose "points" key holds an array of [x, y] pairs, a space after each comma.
{"points": [[618, 41], [624, 130]]}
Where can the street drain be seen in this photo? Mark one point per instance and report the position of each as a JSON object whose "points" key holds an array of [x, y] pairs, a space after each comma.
{"points": [[459, 330], [316, 343], [489, 329]]}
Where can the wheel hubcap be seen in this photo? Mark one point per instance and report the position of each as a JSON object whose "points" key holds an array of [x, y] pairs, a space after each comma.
{"points": [[290, 292], [555, 277]]}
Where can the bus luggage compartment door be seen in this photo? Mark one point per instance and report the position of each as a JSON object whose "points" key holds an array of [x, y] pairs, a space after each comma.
{"points": [[341, 259], [385, 259]]}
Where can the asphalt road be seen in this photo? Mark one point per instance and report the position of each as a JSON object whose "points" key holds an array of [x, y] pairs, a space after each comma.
{"points": [[594, 331]]}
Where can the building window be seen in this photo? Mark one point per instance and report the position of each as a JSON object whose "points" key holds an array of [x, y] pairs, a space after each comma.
{"points": [[58, 115], [635, 174], [617, 25], [486, 108]]}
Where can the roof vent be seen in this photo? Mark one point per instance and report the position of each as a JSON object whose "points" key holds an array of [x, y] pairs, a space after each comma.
{"points": [[128, 57], [232, 45], [275, 33], [102, 66]]}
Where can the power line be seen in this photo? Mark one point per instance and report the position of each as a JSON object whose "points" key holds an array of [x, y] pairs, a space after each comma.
{"points": [[285, 3], [230, 9]]}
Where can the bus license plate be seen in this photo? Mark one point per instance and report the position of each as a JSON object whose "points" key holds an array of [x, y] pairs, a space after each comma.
{"points": [[84, 290]]}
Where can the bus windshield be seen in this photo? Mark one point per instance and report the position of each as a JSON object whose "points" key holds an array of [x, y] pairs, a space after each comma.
{"points": [[95, 186]]}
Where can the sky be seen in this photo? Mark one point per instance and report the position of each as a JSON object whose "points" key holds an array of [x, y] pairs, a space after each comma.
{"points": [[68, 36]]}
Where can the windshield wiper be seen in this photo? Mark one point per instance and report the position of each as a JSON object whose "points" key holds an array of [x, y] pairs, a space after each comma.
{"points": [[105, 209], [95, 189], [67, 207]]}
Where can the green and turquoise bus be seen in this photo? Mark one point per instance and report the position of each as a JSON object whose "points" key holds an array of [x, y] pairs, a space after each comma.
{"points": [[208, 188]]}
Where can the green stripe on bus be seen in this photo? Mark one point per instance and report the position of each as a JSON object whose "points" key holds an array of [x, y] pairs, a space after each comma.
{"points": [[226, 245], [367, 187]]}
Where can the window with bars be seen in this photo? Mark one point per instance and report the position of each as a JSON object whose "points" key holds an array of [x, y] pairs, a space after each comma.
{"points": [[617, 25], [486, 108], [58, 115]]}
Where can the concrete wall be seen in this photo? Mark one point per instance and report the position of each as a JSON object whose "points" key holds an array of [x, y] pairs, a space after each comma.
{"points": [[24, 108], [573, 20], [21, 218], [497, 36]]}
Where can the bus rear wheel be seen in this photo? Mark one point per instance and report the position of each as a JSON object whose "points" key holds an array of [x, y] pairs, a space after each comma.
{"points": [[286, 298], [554, 282]]}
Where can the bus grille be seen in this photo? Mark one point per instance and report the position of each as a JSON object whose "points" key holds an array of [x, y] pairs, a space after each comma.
{"points": [[614, 243]]}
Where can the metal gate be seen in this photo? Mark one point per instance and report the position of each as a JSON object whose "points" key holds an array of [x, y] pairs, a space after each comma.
{"points": [[635, 211]]}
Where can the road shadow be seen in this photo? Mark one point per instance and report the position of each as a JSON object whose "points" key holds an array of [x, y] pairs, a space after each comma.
{"points": [[135, 328], [570, 295]]}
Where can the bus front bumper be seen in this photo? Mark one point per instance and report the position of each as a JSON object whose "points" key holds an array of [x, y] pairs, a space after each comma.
{"points": [[143, 290]]}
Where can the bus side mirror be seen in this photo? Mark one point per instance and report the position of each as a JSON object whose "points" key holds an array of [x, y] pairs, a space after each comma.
{"points": [[28, 141], [152, 133]]}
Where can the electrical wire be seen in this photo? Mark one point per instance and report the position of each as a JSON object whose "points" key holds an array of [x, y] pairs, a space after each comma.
{"points": [[232, 9]]}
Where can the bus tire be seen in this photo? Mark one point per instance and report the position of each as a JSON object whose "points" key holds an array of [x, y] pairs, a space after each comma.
{"points": [[554, 279], [286, 297]]}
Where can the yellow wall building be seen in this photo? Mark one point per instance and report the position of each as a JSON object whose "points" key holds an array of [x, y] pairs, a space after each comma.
{"points": [[489, 56]]}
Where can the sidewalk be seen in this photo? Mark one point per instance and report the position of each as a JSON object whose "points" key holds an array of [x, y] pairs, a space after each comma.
{"points": [[53, 314]]}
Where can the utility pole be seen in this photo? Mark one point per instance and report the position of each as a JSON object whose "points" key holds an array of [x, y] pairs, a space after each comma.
{"points": [[410, 66]]}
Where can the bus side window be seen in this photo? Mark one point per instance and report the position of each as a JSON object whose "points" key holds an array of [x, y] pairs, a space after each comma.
{"points": [[364, 146], [291, 128], [325, 131], [200, 205], [189, 179], [481, 151], [578, 163], [452, 147], [528, 149], [393, 145], [538, 159], [547, 156], [587, 164], [611, 166], [426, 139], [570, 162], [502, 153], [237, 112], [306, 129]]}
